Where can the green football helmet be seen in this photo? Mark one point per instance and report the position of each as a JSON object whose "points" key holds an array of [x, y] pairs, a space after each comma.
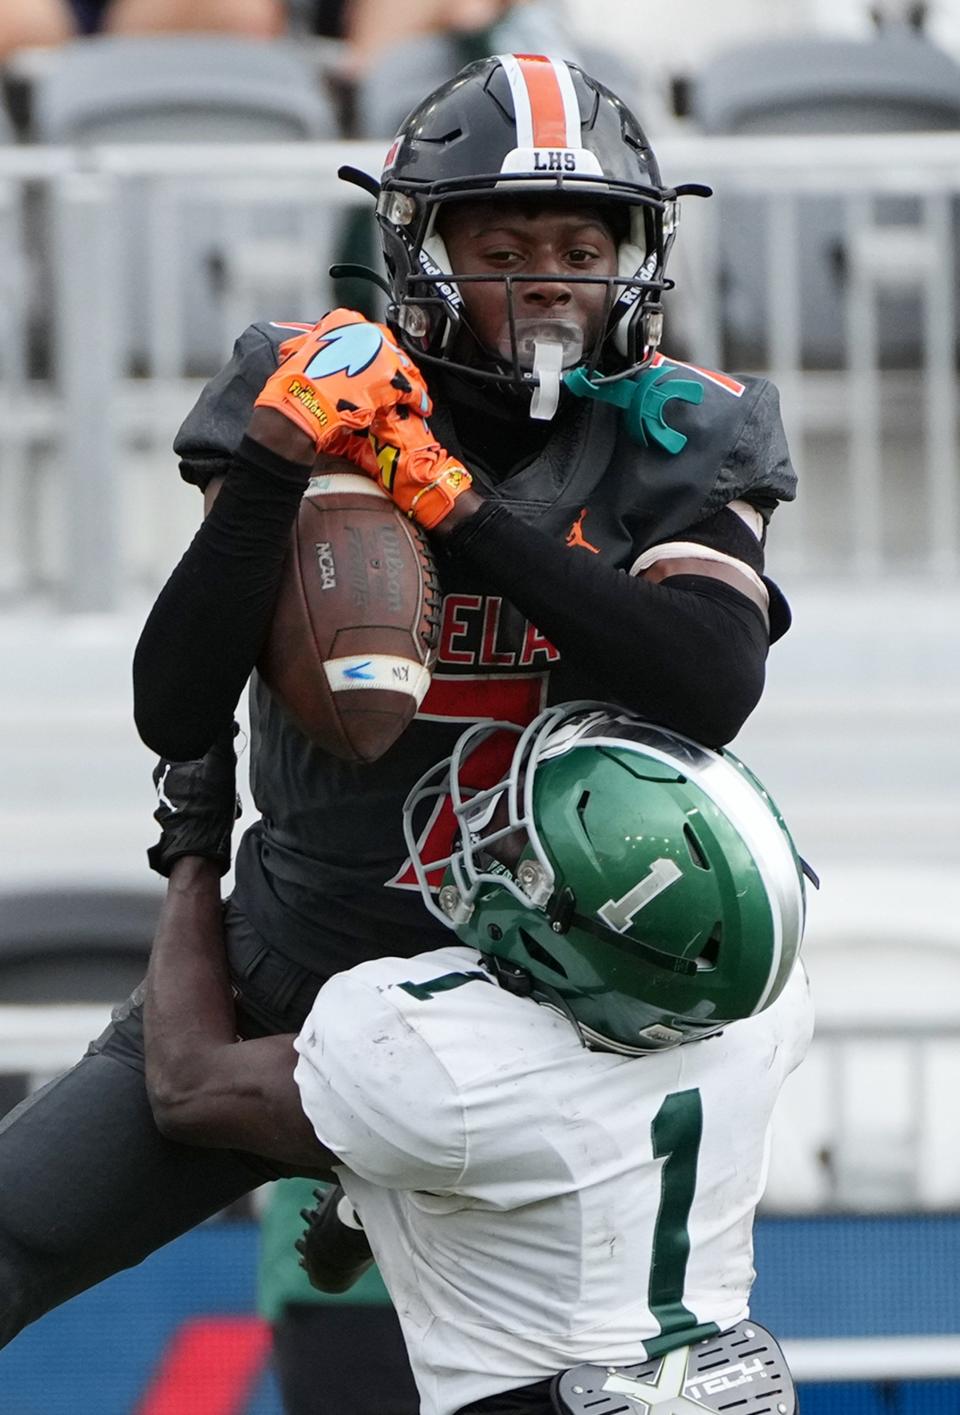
{"points": [[645, 886]]}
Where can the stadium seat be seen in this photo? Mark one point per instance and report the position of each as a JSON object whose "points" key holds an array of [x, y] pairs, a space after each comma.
{"points": [[193, 89], [397, 81], [897, 82], [894, 83], [162, 88], [75, 945], [71, 947]]}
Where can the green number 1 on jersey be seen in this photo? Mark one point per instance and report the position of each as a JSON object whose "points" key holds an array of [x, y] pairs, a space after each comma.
{"points": [[676, 1131]]}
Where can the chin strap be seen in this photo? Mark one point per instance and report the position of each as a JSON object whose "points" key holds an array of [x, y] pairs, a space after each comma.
{"points": [[561, 911], [514, 979]]}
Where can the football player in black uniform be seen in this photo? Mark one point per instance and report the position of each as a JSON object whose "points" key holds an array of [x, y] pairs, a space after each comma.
{"points": [[610, 547]]}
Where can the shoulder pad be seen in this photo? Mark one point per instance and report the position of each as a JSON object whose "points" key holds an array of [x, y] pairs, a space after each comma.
{"points": [[736, 430], [212, 429]]}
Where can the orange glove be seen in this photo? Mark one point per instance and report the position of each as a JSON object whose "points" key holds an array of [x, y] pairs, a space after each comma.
{"points": [[337, 377], [405, 458]]}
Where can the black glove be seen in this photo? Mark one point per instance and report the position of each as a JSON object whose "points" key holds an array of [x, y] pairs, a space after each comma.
{"points": [[198, 804], [334, 1254]]}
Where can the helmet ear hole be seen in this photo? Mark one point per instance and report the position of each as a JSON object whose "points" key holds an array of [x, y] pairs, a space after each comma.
{"points": [[582, 811], [710, 953], [696, 850], [540, 955]]}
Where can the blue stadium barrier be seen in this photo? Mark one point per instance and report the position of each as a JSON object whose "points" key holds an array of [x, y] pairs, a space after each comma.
{"points": [[139, 1343]]}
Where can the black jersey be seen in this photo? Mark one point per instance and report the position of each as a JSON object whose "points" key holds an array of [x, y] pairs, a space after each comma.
{"points": [[323, 875]]}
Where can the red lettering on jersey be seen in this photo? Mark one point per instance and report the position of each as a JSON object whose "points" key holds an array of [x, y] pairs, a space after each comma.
{"points": [[454, 627], [470, 638], [492, 698], [490, 657], [534, 643]]}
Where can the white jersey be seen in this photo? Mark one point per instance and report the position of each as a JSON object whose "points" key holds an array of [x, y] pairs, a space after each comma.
{"points": [[531, 1204]]}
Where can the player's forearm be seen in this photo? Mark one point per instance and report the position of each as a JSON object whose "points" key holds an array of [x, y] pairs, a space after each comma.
{"points": [[206, 1087], [689, 653], [189, 1011], [205, 632], [189, 1019]]}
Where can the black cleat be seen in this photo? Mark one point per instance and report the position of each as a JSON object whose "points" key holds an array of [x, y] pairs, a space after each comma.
{"points": [[333, 1253]]}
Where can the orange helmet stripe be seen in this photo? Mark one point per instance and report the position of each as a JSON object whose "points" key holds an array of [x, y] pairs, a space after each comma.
{"points": [[545, 104], [546, 101]]}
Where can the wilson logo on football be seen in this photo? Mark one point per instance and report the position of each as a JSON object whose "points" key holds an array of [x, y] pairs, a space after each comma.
{"points": [[393, 565]]}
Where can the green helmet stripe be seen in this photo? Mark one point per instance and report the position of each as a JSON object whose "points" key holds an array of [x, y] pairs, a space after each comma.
{"points": [[772, 854]]}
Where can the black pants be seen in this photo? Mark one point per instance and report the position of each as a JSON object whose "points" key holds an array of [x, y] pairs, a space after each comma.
{"points": [[350, 1360], [88, 1186], [342, 1359], [528, 1400]]}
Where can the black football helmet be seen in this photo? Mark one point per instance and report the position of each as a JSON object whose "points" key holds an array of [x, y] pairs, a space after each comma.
{"points": [[512, 125]]}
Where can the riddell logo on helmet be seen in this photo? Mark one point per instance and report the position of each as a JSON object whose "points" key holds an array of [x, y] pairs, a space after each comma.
{"points": [[306, 395], [430, 267]]}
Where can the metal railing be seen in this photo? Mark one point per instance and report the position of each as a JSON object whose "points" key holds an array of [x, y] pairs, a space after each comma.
{"points": [[127, 271], [866, 1109], [874, 1358], [38, 1041]]}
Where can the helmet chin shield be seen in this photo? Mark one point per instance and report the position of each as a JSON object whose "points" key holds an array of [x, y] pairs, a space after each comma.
{"points": [[524, 126], [646, 886]]}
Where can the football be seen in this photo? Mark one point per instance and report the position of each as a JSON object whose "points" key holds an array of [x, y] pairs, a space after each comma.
{"points": [[354, 631]]}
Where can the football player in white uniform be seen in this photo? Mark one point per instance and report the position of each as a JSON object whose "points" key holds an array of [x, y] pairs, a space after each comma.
{"points": [[555, 1131]]}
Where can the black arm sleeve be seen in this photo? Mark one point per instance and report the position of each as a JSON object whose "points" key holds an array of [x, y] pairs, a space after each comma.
{"points": [[689, 653], [205, 631]]}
